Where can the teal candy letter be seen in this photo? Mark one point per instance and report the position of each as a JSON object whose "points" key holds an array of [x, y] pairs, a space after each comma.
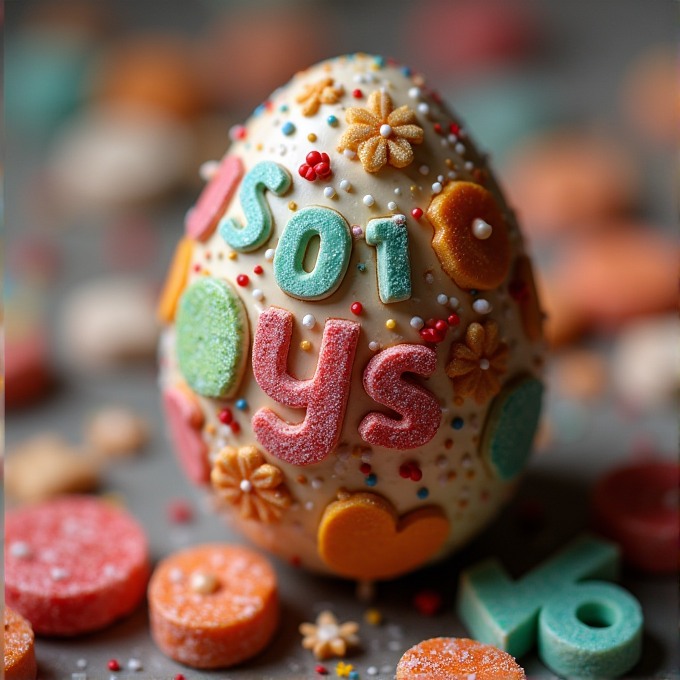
{"points": [[394, 268], [212, 338], [258, 228], [332, 260]]}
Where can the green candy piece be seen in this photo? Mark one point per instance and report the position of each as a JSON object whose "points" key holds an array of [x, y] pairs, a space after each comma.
{"points": [[511, 426], [591, 630], [258, 229], [212, 338], [394, 269], [505, 613], [332, 259]]}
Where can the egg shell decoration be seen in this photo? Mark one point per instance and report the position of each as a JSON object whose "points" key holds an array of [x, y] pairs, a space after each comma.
{"points": [[352, 324]]}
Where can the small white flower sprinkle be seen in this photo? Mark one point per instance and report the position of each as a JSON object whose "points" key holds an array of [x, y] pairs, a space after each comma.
{"points": [[366, 456], [399, 219], [368, 200], [453, 301], [424, 169], [246, 486], [257, 294], [20, 549], [340, 468], [460, 148], [484, 364], [440, 178], [441, 462], [417, 323], [437, 187], [373, 346], [397, 192], [392, 205], [317, 483], [469, 165], [208, 170], [343, 454], [59, 574], [481, 229], [329, 192], [309, 321], [385, 130], [442, 299], [429, 278], [414, 92], [423, 108], [348, 153], [345, 185], [481, 306], [269, 254], [134, 665]]}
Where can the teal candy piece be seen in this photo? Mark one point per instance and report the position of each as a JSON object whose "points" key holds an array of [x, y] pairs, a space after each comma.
{"points": [[511, 426], [331, 262], [591, 630], [258, 228], [392, 253], [212, 338], [502, 612]]}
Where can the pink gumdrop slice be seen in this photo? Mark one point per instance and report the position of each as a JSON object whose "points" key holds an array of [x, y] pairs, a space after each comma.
{"points": [[185, 419], [74, 564], [214, 199]]}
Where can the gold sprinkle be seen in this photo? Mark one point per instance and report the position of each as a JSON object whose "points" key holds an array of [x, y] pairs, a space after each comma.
{"points": [[390, 324], [449, 163], [414, 188], [210, 428], [373, 617], [302, 479], [292, 205], [232, 255], [306, 345], [259, 146], [311, 137]]}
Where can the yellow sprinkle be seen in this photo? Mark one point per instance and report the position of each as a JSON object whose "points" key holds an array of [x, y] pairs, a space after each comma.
{"points": [[206, 272], [302, 479], [390, 324], [311, 137], [343, 669], [259, 146], [210, 428], [232, 255], [292, 205], [306, 345], [373, 617]]}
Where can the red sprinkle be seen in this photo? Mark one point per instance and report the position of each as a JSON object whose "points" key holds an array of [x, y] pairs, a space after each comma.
{"points": [[225, 416], [307, 172], [318, 165], [197, 267], [455, 128], [405, 471], [428, 602], [113, 665], [235, 427], [416, 473], [179, 676], [417, 213], [357, 94], [454, 320], [438, 128], [321, 670], [356, 308], [365, 468], [242, 280], [257, 269], [179, 511]]}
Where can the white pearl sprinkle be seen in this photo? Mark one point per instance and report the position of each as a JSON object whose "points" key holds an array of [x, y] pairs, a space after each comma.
{"points": [[372, 670], [429, 278], [417, 323], [373, 346], [366, 456], [460, 148], [134, 665], [385, 130], [442, 299], [246, 486], [208, 170], [414, 92], [368, 200], [269, 254], [397, 191], [481, 306], [469, 165], [359, 78], [453, 301], [20, 549], [309, 505], [357, 231], [309, 321], [345, 185], [423, 108], [399, 219], [445, 143], [317, 483], [452, 138], [257, 294], [452, 174], [204, 583], [440, 178], [348, 153], [81, 663], [59, 574], [424, 169], [329, 192], [484, 364], [437, 187], [441, 462], [481, 229], [392, 205]]}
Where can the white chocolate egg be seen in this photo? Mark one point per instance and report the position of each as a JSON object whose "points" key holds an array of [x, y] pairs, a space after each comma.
{"points": [[352, 350]]}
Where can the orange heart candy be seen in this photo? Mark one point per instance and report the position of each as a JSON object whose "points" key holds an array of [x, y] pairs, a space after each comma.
{"points": [[360, 536]]}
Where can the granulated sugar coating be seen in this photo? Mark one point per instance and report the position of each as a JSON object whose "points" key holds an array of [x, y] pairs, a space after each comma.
{"points": [[74, 564], [457, 659], [214, 605], [18, 644]]}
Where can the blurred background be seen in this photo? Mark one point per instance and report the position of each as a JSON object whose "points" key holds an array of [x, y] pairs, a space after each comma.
{"points": [[112, 108]]}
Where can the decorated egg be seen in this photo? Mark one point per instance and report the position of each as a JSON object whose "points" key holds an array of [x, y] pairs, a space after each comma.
{"points": [[352, 349]]}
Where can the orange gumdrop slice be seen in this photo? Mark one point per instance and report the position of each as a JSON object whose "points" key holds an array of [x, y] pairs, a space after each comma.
{"points": [[20, 661], [175, 281], [470, 261], [457, 659], [361, 537], [213, 605]]}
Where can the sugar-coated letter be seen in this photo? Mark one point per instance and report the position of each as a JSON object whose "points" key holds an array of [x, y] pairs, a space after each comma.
{"points": [[390, 239]]}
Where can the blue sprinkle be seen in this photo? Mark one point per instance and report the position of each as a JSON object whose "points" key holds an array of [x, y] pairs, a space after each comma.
{"points": [[332, 120], [361, 267], [457, 423], [474, 291], [353, 675], [288, 128], [380, 61], [423, 493], [283, 107], [259, 110], [405, 70], [371, 480], [241, 404]]}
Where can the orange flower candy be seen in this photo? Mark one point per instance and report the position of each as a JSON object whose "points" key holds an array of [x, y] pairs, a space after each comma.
{"points": [[19, 653], [470, 236]]}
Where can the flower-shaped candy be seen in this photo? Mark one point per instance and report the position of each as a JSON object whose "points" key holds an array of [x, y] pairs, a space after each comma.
{"points": [[327, 637], [379, 134], [244, 479], [322, 92], [476, 365]]}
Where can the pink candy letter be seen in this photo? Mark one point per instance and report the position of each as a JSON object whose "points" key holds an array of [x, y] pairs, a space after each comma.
{"points": [[419, 408], [324, 396]]}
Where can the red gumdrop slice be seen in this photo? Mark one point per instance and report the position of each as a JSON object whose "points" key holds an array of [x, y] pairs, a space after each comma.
{"points": [[637, 506], [314, 157], [74, 564]]}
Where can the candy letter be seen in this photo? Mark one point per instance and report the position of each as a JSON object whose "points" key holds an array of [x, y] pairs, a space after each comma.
{"points": [[258, 228], [394, 270], [214, 200], [332, 260], [324, 396], [504, 613], [419, 408], [212, 338]]}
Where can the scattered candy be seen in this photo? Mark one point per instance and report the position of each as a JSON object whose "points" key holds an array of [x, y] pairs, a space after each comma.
{"points": [[328, 638], [225, 626], [19, 653], [90, 565]]}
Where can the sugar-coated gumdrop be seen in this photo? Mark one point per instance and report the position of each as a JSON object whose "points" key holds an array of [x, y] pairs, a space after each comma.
{"points": [[19, 649]]}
